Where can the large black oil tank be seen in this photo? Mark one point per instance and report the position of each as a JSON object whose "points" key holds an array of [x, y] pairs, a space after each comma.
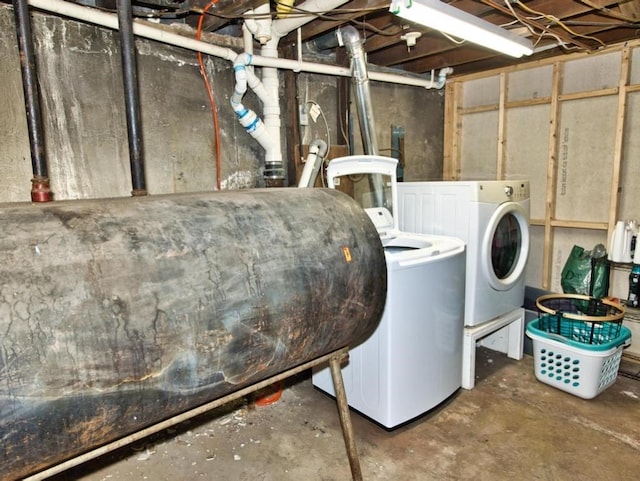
{"points": [[116, 314]]}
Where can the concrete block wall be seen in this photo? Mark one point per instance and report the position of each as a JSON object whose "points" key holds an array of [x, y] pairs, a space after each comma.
{"points": [[80, 81]]}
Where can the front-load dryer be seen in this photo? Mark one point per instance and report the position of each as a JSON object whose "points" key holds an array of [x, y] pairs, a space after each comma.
{"points": [[412, 362], [492, 217]]}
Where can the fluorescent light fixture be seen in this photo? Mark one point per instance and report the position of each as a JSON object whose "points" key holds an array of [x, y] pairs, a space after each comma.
{"points": [[458, 23]]}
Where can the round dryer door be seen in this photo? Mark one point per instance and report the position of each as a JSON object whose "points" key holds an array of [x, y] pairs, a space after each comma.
{"points": [[505, 247]]}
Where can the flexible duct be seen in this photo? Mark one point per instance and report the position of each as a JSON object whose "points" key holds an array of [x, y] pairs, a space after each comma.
{"points": [[125, 312]]}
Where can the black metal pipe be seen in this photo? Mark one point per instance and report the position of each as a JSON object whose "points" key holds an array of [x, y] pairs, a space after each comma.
{"points": [[40, 191], [131, 97]]}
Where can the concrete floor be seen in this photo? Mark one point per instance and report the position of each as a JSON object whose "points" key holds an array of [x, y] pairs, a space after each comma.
{"points": [[509, 427]]}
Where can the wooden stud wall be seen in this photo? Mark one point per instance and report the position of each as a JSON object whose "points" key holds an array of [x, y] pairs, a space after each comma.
{"points": [[557, 96], [552, 178]]}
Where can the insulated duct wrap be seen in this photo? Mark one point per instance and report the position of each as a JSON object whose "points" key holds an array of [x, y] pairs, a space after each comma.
{"points": [[117, 314]]}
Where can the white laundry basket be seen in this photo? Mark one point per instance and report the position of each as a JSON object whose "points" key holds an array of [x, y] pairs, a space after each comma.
{"points": [[575, 351]]}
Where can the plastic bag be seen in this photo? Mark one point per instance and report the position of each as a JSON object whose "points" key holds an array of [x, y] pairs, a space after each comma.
{"points": [[586, 272]]}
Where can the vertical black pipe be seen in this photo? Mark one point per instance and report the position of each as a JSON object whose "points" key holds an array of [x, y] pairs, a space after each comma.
{"points": [[131, 97], [40, 191]]}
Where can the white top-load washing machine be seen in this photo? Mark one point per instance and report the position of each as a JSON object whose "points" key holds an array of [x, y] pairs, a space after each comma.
{"points": [[492, 217], [412, 361]]}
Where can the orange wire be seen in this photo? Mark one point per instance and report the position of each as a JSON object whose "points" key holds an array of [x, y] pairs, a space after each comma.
{"points": [[214, 110]]}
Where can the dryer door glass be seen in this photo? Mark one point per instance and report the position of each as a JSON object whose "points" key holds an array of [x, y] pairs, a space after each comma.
{"points": [[506, 245]]}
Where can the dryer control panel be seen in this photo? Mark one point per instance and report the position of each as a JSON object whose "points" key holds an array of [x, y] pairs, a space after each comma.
{"points": [[517, 191], [498, 191]]}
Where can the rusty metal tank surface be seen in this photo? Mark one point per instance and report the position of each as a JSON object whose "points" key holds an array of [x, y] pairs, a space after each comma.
{"points": [[116, 314]]}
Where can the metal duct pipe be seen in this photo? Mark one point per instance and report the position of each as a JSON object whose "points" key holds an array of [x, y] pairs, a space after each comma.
{"points": [[323, 42], [131, 97], [125, 312], [40, 191], [350, 38]]}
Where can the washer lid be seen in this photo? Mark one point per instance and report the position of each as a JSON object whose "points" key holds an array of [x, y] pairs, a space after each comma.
{"points": [[375, 187]]}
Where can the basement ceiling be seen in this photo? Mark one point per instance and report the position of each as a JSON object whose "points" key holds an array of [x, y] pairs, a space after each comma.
{"points": [[554, 26]]}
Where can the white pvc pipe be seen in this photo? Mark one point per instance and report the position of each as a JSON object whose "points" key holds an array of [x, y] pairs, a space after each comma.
{"points": [[260, 28], [315, 159], [247, 117], [414, 81], [282, 27], [147, 30], [247, 39], [271, 110], [140, 28], [311, 67]]}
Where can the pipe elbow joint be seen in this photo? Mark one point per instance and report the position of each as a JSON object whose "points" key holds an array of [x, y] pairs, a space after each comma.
{"points": [[242, 60], [442, 76], [350, 38], [318, 147], [260, 27]]}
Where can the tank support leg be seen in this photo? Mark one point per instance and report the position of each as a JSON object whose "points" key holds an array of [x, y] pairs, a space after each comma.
{"points": [[343, 412]]}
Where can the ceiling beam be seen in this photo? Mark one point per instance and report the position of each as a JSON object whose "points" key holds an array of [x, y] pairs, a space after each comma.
{"points": [[452, 58]]}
